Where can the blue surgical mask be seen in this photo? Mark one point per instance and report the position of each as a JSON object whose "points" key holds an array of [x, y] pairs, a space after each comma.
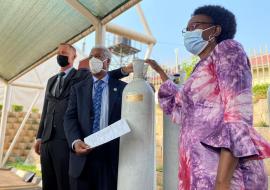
{"points": [[194, 41]]}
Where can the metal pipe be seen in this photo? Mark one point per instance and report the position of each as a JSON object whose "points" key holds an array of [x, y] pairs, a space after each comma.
{"points": [[4, 117], [3, 80], [119, 11], [100, 34], [147, 56], [37, 75], [143, 20], [84, 11], [118, 30], [20, 130], [27, 85], [148, 51]]}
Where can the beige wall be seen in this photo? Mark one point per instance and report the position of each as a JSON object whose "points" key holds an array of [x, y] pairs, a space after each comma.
{"points": [[260, 75], [260, 112]]}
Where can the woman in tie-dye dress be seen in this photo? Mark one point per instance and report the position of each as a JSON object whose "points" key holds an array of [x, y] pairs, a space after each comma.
{"points": [[218, 146]]}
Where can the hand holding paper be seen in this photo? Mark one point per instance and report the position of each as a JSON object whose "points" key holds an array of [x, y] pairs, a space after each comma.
{"points": [[107, 134], [81, 148]]}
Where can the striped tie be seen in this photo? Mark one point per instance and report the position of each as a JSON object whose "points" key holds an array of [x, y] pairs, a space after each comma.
{"points": [[97, 104]]}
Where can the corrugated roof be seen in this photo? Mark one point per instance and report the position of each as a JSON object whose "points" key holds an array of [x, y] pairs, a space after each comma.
{"points": [[31, 30]]}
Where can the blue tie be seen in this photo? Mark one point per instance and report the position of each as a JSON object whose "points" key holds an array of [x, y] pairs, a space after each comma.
{"points": [[97, 104]]}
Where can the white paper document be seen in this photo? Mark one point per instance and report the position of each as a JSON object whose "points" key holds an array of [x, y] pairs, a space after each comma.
{"points": [[107, 134]]}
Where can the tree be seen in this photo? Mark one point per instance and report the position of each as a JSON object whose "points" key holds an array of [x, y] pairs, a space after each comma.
{"points": [[188, 65]]}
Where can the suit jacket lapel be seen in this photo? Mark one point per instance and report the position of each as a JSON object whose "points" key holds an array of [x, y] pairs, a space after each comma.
{"points": [[113, 94], [86, 92], [67, 80], [51, 84]]}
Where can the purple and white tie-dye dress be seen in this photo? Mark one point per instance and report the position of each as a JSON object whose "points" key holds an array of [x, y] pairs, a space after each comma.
{"points": [[214, 110]]}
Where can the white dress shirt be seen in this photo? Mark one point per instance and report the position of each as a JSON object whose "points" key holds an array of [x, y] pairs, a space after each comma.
{"points": [[104, 115]]}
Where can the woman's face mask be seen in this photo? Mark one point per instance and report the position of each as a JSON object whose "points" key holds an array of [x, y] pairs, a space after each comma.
{"points": [[194, 42], [96, 65]]}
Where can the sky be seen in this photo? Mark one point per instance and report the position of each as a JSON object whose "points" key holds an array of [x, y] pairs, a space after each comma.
{"points": [[167, 19]]}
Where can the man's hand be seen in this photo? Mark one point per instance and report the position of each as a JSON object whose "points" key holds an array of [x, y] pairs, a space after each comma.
{"points": [[37, 146], [81, 148], [128, 68]]}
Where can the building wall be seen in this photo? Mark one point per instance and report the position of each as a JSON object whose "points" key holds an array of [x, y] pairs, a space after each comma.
{"points": [[260, 75]]}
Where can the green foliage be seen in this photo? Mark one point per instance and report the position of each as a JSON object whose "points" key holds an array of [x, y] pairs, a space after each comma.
{"points": [[260, 91], [262, 124], [159, 169], [1, 106], [188, 65], [17, 108], [25, 167], [35, 110]]}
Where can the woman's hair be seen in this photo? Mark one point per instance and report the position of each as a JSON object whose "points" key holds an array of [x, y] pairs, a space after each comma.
{"points": [[222, 17]]}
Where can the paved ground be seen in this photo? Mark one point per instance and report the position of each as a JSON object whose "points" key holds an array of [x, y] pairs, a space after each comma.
{"points": [[268, 182], [10, 181]]}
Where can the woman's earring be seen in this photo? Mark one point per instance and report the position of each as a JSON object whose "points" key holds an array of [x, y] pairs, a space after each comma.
{"points": [[211, 38]]}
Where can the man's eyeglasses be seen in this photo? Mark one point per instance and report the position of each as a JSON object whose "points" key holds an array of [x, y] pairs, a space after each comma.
{"points": [[194, 26]]}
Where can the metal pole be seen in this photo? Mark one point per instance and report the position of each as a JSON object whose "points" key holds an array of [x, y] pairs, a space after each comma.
{"points": [[119, 11], [27, 85], [4, 117], [130, 34], [147, 56], [100, 34], [20, 130], [3, 80], [100, 29], [84, 11], [37, 75], [143, 20]]}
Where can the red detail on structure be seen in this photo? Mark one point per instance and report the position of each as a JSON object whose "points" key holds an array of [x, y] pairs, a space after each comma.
{"points": [[260, 60]]}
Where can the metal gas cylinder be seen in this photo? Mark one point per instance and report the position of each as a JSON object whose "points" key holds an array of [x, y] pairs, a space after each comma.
{"points": [[170, 145], [137, 149]]}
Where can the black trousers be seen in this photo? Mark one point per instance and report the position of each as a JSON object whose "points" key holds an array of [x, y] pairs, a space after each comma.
{"points": [[99, 173], [54, 160]]}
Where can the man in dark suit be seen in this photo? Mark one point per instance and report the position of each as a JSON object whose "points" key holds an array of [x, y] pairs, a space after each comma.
{"points": [[51, 141], [94, 104]]}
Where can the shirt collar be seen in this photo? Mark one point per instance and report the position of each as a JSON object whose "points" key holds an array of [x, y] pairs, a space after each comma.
{"points": [[104, 79], [67, 72]]}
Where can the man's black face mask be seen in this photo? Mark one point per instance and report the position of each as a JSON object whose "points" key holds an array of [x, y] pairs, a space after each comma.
{"points": [[62, 60]]}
